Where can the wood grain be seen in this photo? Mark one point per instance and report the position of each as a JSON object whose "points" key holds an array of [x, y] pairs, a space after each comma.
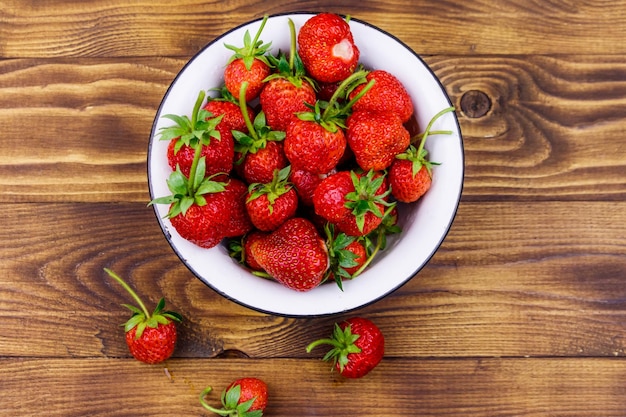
{"points": [[502, 387], [119, 28], [554, 130], [499, 286]]}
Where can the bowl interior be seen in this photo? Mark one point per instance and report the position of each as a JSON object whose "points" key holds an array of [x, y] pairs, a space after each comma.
{"points": [[424, 224]]}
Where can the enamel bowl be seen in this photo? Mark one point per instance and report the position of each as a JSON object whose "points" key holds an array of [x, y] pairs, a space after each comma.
{"points": [[425, 223]]}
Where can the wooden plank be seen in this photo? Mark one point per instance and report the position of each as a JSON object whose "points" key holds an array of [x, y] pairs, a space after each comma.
{"points": [[583, 387], [118, 28], [553, 132], [498, 286]]}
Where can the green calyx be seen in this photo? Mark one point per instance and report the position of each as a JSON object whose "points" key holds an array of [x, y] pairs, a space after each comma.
{"points": [[332, 114], [279, 185], [364, 198], [195, 131], [343, 344], [141, 317], [418, 156], [252, 48], [230, 403], [188, 191], [259, 133]]}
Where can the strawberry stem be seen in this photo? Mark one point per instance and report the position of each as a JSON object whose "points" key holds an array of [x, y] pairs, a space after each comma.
{"points": [[243, 105], [430, 125], [191, 184], [206, 392], [341, 89], [292, 52], [130, 291]]}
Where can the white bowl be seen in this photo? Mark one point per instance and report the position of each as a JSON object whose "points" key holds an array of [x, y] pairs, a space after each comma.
{"points": [[424, 224]]}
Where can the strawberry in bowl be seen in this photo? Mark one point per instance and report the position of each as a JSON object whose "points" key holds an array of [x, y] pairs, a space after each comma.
{"points": [[317, 162]]}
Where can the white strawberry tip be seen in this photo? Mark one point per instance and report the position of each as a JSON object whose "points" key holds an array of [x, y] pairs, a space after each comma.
{"points": [[344, 50]]}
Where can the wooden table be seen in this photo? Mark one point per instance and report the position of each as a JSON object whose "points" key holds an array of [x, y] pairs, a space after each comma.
{"points": [[522, 312]]}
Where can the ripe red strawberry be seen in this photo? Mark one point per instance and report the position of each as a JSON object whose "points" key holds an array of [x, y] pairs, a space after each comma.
{"points": [[376, 138], [305, 182], [249, 241], [311, 146], [327, 48], [410, 174], [239, 222], [248, 64], [358, 346], [227, 106], [269, 205], [287, 90], [259, 152], [387, 94], [354, 202], [259, 164], [245, 397], [151, 338], [219, 153], [202, 130], [294, 255]]}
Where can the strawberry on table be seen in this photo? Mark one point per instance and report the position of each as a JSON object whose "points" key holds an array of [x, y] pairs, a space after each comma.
{"points": [[288, 89], [327, 48], [245, 397], [410, 174], [387, 95], [248, 64], [270, 204], [358, 346], [376, 138], [151, 338], [294, 254]]}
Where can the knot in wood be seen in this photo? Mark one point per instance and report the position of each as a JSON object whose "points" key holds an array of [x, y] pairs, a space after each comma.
{"points": [[475, 104]]}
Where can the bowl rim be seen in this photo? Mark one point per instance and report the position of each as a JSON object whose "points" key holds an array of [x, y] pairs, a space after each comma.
{"points": [[167, 234]]}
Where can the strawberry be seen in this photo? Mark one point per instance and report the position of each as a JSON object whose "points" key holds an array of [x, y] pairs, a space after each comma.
{"points": [[358, 346], [245, 397], [387, 95], [315, 141], [305, 182], [260, 151], [270, 204], [228, 106], [151, 338], [354, 202], [250, 240], [239, 221], [203, 130], [288, 90], [376, 138], [294, 254], [248, 64], [327, 48], [410, 174]]}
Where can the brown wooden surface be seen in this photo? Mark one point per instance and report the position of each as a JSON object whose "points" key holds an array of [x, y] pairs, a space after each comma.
{"points": [[522, 312]]}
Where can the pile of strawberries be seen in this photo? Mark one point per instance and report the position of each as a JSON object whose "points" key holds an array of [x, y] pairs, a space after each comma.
{"points": [[300, 161]]}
